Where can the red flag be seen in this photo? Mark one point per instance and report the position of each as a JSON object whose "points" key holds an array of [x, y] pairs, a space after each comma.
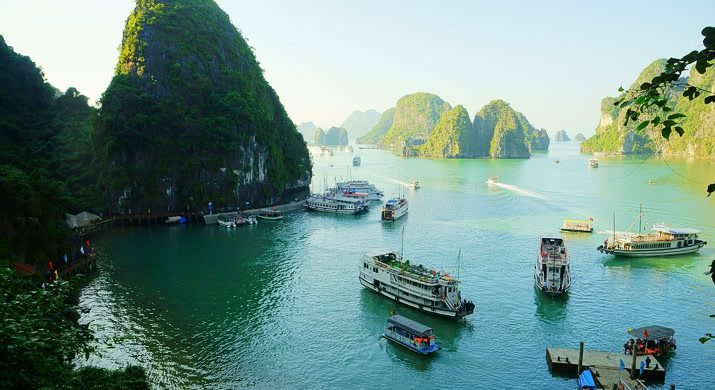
{"points": [[87, 242], [50, 264], [645, 333]]}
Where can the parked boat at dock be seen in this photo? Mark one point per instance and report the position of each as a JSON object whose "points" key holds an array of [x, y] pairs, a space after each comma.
{"points": [[337, 203], [552, 273], [411, 334], [270, 214], [227, 222], [394, 209], [414, 285], [653, 340], [361, 186], [576, 225]]}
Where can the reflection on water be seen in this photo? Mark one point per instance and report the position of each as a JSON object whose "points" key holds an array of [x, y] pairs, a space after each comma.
{"points": [[549, 308]]}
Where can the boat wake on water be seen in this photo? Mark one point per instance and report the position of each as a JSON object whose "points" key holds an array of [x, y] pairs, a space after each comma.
{"points": [[519, 190]]}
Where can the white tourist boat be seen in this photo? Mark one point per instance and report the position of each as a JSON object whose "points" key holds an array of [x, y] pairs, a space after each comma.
{"points": [[356, 161], [593, 163], [552, 273], [492, 180], [394, 209], [351, 203], [663, 241], [361, 186], [270, 214], [414, 285]]}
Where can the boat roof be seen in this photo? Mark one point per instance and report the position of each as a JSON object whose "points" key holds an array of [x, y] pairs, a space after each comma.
{"points": [[409, 325], [667, 229], [585, 380], [577, 220], [655, 332]]}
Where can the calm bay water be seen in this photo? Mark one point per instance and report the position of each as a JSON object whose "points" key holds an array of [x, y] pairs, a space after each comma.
{"points": [[279, 305]]}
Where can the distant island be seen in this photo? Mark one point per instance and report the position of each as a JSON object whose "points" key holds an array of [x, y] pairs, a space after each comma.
{"points": [[360, 122], [698, 140], [561, 136], [579, 137], [307, 129], [422, 124], [335, 136]]}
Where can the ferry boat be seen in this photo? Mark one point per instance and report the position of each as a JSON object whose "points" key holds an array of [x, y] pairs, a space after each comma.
{"points": [[552, 274], [414, 185], [410, 334], [593, 163], [652, 340], [351, 203], [356, 161], [576, 225], [414, 285], [394, 209], [270, 214], [492, 180], [664, 241], [361, 186]]}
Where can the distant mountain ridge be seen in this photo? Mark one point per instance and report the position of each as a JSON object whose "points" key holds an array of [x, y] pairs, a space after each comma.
{"points": [[359, 122]]}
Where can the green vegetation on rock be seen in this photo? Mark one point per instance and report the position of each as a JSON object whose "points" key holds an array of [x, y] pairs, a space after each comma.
{"points": [[379, 130], [414, 118], [579, 137], [189, 118], [561, 136], [453, 136], [335, 136], [503, 132]]}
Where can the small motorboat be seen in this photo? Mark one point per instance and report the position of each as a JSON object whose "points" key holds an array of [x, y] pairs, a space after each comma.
{"points": [[173, 220], [270, 214], [593, 163], [653, 340], [414, 185], [411, 335], [227, 222], [492, 180]]}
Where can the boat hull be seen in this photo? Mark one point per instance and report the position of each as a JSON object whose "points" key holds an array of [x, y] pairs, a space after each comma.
{"points": [[576, 230], [426, 309], [333, 211], [411, 347], [652, 252], [269, 218]]}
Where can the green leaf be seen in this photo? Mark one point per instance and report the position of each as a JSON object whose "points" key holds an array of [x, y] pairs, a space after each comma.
{"points": [[665, 132], [679, 130], [642, 125], [626, 103], [655, 121], [620, 89], [710, 99], [668, 123], [676, 115]]}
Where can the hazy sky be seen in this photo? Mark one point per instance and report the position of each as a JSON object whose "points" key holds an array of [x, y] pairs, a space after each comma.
{"points": [[552, 60]]}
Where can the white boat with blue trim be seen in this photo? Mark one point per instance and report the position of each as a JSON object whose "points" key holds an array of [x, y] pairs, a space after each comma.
{"points": [[663, 241]]}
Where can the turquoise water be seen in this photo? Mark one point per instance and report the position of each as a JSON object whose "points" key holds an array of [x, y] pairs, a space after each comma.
{"points": [[279, 305]]}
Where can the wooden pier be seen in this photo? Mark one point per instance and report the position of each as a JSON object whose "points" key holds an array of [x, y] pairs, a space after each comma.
{"points": [[607, 364]]}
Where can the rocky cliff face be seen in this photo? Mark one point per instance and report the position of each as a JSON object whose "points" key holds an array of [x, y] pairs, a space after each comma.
{"points": [[561, 136], [539, 139], [453, 136], [579, 137], [414, 118], [379, 129], [189, 118], [359, 122], [335, 136], [307, 129], [502, 132]]}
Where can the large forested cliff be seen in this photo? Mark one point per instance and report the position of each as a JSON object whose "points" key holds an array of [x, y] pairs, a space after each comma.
{"points": [[613, 136], [378, 131], [506, 133], [414, 118], [453, 136], [189, 118]]}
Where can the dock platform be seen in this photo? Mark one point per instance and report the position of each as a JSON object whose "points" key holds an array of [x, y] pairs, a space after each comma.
{"points": [[566, 360], [606, 378]]}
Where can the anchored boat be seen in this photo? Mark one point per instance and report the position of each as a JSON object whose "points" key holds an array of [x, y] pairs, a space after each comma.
{"points": [[552, 274], [394, 209], [414, 285], [411, 334], [664, 241], [360, 186], [593, 163], [351, 203], [576, 225], [653, 340], [270, 214]]}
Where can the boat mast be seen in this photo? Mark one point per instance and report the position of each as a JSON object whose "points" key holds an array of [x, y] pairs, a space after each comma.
{"points": [[614, 228], [459, 263], [640, 220], [402, 249]]}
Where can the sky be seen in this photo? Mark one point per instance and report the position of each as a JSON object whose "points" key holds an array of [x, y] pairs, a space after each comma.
{"points": [[551, 60]]}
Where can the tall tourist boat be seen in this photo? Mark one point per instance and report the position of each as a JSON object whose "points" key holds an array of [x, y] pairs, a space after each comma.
{"points": [[552, 274], [337, 203], [394, 209], [361, 186], [414, 285]]}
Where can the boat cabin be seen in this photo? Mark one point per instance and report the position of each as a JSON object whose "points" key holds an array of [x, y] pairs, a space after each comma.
{"points": [[653, 340], [576, 225], [411, 334], [270, 214]]}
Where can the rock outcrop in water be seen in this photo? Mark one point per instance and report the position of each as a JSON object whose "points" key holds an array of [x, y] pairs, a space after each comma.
{"points": [[699, 126], [503, 132], [414, 118], [579, 137], [539, 139], [453, 136], [359, 122], [379, 130], [189, 118], [336, 136], [561, 136], [307, 129]]}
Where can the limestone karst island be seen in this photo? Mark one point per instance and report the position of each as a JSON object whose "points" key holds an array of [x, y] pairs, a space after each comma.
{"points": [[306, 195]]}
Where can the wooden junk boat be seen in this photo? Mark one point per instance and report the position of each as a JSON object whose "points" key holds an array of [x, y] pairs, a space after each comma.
{"points": [[411, 335], [652, 340]]}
